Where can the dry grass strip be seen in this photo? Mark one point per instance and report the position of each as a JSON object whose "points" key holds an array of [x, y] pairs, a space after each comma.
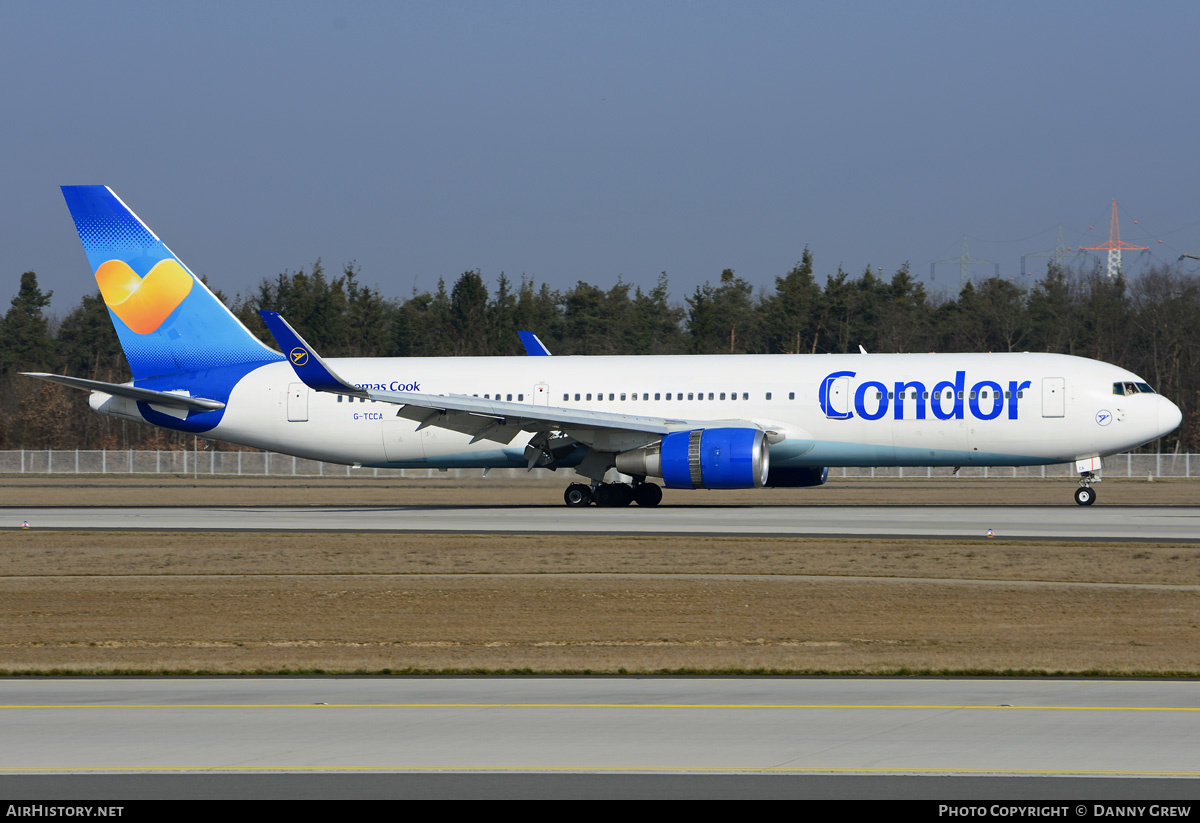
{"points": [[237, 602]]}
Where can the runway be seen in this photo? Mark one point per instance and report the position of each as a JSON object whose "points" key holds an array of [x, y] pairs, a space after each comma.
{"points": [[1068, 522], [602, 725]]}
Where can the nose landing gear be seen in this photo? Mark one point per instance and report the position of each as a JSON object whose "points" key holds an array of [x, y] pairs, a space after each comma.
{"points": [[1085, 495]]}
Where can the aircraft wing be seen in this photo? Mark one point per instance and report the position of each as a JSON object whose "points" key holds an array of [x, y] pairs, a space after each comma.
{"points": [[484, 419]]}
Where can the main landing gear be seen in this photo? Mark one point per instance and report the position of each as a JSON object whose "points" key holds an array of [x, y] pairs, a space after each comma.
{"points": [[613, 494], [1085, 495]]}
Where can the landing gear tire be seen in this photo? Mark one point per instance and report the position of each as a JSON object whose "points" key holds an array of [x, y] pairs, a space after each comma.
{"points": [[613, 494], [647, 494], [605, 495], [578, 494], [1085, 495]]}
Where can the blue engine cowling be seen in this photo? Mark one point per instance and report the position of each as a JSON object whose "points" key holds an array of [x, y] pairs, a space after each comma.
{"points": [[715, 459]]}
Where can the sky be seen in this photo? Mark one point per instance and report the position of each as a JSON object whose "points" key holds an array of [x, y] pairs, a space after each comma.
{"points": [[567, 141]]}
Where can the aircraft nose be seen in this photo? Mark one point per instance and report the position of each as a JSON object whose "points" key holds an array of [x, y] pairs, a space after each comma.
{"points": [[1169, 416]]}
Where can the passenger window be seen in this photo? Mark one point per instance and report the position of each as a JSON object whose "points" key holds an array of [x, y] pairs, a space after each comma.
{"points": [[710, 395], [768, 395], [745, 395], [657, 396], [792, 395], [690, 395], [577, 396], [722, 395], [622, 395]]}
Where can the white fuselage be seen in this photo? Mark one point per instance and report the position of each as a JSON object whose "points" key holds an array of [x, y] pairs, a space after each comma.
{"points": [[831, 410]]}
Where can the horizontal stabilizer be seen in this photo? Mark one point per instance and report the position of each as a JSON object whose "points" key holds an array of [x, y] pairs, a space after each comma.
{"points": [[158, 398]]}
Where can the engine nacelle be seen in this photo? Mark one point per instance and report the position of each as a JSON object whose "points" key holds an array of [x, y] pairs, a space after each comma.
{"points": [[797, 477], [703, 459]]}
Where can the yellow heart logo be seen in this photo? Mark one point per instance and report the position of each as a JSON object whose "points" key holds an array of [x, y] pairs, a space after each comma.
{"points": [[143, 303]]}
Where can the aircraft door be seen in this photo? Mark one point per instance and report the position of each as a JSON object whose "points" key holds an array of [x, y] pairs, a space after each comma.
{"points": [[541, 394], [1054, 397], [297, 403]]}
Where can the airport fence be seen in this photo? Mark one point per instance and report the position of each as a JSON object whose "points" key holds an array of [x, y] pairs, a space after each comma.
{"points": [[272, 464]]}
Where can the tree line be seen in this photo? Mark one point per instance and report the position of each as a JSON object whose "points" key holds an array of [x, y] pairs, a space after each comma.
{"points": [[1147, 325]]}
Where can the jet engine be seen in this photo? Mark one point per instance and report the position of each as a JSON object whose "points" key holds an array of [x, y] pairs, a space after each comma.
{"points": [[797, 477], [703, 459]]}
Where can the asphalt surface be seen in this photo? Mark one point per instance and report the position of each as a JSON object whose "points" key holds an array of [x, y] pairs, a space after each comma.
{"points": [[1068, 522], [627, 734], [828, 725]]}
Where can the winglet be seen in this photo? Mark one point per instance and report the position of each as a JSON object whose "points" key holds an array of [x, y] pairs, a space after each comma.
{"points": [[307, 363], [533, 346]]}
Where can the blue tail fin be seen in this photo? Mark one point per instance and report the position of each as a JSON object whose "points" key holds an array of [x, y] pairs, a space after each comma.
{"points": [[167, 320]]}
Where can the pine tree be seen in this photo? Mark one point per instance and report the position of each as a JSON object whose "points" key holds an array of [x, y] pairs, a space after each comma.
{"points": [[25, 342]]}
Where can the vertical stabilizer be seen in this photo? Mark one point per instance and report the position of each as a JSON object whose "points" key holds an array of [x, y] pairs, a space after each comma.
{"points": [[167, 320]]}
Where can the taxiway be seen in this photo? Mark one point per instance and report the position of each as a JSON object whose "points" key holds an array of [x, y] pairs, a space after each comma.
{"points": [[1068, 522]]}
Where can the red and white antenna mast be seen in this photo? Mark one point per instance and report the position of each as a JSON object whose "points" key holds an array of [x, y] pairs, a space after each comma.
{"points": [[1114, 245]]}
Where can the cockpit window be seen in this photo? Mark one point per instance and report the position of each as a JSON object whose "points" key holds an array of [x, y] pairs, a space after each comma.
{"points": [[1124, 389]]}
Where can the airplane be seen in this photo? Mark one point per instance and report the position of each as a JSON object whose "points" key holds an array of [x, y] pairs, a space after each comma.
{"points": [[621, 423]]}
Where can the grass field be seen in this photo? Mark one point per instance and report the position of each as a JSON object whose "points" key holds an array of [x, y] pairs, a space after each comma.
{"points": [[228, 602]]}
